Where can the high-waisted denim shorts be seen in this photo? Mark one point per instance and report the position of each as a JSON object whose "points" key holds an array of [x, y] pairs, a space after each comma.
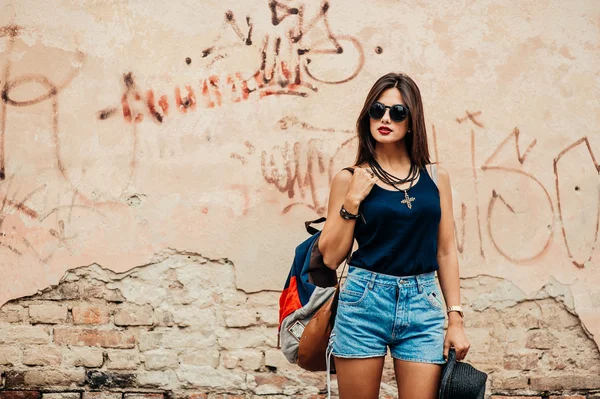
{"points": [[377, 311]]}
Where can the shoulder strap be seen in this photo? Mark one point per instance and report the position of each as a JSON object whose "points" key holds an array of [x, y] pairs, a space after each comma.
{"points": [[432, 169]]}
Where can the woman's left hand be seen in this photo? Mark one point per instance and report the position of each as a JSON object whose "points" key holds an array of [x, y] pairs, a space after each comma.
{"points": [[455, 336]]}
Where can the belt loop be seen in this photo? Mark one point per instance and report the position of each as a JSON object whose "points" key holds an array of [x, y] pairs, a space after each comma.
{"points": [[372, 281], [419, 284]]}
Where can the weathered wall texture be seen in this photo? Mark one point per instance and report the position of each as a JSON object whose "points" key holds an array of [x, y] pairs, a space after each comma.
{"points": [[181, 326], [140, 139]]}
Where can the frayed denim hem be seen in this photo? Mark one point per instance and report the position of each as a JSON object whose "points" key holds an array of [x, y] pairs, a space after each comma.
{"points": [[420, 360], [361, 356]]}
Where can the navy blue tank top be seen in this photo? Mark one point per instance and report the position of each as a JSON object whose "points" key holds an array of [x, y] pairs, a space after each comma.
{"points": [[394, 239]]}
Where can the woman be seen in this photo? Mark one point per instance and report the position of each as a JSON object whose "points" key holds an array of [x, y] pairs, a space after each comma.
{"points": [[402, 220]]}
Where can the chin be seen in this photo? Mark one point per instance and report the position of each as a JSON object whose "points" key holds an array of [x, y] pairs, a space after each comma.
{"points": [[390, 138]]}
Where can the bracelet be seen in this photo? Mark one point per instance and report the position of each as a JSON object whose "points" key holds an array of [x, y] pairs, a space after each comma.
{"points": [[347, 215], [455, 308]]}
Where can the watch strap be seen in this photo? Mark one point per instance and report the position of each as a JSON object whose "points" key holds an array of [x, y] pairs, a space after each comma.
{"points": [[455, 308]]}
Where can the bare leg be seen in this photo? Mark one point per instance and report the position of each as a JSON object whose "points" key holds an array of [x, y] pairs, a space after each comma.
{"points": [[359, 378], [417, 380]]}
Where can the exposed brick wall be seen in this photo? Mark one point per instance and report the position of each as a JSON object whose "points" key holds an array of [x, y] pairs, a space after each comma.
{"points": [[180, 328]]}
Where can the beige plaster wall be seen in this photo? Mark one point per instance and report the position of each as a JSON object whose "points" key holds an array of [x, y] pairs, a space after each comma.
{"points": [[134, 129]]}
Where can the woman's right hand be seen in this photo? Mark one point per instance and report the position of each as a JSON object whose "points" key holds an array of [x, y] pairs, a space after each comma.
{"points": [[361, 184]]}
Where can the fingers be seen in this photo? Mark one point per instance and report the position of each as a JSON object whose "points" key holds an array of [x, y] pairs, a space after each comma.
{"points": [[460, 349], [369, 172], [461, 352], [446, 349]]}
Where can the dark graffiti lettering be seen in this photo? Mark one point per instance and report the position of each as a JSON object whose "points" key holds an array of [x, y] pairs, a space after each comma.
{"points": [[50, 95], [476, 184], [275, 75], [487, 166]]}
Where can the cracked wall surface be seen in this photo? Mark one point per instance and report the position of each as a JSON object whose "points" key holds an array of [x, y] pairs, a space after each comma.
{"points": [[180, 325], [134, 132]]}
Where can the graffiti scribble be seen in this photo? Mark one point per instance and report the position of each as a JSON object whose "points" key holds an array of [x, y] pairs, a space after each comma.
{"points": [[595, 205]]}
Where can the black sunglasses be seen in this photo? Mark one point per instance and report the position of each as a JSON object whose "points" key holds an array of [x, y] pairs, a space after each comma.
{"points": [[398, 112]]}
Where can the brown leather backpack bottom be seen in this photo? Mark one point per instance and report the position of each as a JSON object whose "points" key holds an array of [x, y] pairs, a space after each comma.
{"points": [[313, 342]]}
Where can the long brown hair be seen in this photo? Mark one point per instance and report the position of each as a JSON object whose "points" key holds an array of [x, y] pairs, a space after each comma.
{"points": [[416, 142]]}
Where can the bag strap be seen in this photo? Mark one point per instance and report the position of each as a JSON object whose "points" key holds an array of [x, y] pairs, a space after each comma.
{"points": [[345, 264], [311, 230]]}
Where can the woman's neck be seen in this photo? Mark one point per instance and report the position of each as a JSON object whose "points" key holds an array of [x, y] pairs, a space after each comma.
{"points": [[393, 156]]}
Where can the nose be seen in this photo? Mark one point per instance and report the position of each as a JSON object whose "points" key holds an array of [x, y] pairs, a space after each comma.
{"points": [[386, 117]]}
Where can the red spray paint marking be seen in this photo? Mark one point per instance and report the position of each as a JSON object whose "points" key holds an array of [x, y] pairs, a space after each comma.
{"points": [[186, 102], [214, 82], [127, 110]]}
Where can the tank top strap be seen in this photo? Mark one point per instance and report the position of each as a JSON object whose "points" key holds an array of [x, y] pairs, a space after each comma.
{"points": [[432, 170]]}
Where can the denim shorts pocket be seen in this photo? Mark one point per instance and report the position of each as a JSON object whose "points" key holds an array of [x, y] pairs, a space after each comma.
{"points": [[353, 291], [433, 295]]}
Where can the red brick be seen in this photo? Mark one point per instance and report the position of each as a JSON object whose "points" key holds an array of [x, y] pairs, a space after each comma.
{"points": [[20, 395], [90, 315], [91, 337]]}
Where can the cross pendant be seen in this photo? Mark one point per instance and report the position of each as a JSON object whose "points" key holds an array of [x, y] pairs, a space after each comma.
{"points": [[407, 200]]}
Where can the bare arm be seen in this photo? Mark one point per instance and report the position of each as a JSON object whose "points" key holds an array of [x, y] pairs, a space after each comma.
{"points": [[337, 236], [448, 272], [447, 255]]}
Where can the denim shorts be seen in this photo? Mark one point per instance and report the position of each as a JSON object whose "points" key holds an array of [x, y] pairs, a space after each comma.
{"points": [[377, 311]]}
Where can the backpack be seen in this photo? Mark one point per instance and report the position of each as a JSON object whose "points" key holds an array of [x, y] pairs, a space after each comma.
{"points": [[309, 286]]}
